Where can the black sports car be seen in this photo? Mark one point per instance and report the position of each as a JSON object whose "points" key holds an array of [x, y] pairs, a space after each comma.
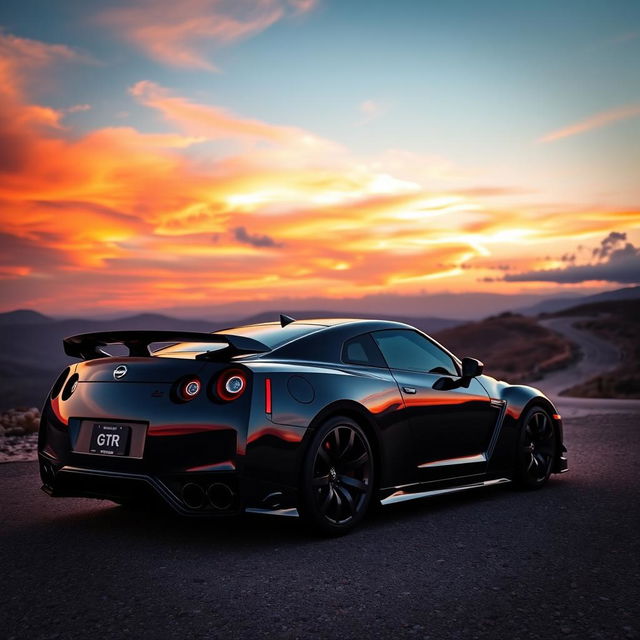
{"points": [[316, 417]]}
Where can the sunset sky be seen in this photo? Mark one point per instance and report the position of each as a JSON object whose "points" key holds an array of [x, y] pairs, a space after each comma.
{"points": [[157, 154]]}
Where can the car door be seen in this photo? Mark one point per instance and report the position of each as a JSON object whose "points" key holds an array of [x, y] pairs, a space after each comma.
{"points": [[452, 424]]}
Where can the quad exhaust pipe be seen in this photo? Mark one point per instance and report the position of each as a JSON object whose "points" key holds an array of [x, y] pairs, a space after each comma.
{"points": [[48, 474], [220, 496], [193, 495], [217, 495]]}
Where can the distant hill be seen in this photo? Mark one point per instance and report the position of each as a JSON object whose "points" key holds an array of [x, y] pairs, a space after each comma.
{"points": [[504, 344], [558, 304], [462, 306], [628, 308], [24, 317], [31, 354]]}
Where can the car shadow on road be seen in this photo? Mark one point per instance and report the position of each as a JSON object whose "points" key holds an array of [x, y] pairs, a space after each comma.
{"points": [[255, 531]]}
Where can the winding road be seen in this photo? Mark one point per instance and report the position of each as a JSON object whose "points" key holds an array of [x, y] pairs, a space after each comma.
{"points": [[598, 356]]}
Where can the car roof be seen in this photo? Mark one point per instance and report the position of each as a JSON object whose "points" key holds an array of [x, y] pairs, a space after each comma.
{"points": [[275, 335], [324, 339], [322, 322]]}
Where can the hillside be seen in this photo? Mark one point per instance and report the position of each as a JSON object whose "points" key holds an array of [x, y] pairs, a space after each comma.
{"points": [[554, 305], [514, 348], [616, 321]]}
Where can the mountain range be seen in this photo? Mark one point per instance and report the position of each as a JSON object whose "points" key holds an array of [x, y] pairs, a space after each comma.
{"points": [[31, 353]]}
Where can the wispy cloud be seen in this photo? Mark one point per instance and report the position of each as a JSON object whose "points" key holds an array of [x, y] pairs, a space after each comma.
{"points": [[20, 58], [594, 122], [626, 37], [212, 122], [76, 108], [370, 110], [184, 33]]}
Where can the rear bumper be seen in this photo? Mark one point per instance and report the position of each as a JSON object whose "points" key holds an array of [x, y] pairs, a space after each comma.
{"points": [[195, 469], [212, 494]]}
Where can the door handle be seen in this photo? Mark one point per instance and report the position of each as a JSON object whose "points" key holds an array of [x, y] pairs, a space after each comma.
{"points": [[409, 389]]}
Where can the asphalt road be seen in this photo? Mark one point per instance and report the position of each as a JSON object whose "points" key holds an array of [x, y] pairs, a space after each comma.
{"points": [[562, 562], [598, 356]]}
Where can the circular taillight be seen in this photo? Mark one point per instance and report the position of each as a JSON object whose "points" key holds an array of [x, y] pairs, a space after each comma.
{"points": [[70, 387], [189, 388], [234, 385], [231, 384]]}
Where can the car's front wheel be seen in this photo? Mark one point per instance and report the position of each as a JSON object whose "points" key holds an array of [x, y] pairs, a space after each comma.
{"points": [[337, 477], [536, 449]]}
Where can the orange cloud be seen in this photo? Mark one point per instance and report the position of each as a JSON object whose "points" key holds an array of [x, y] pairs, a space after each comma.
{"points": [[594, 122], [26, 56], [181, 34], [210, 122]]}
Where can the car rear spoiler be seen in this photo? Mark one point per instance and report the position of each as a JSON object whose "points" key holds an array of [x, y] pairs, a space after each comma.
{"points": [[87, 346]]}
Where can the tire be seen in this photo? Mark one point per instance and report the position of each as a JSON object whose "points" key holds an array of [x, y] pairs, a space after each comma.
{"points": [[536, 451], [337, 479]]}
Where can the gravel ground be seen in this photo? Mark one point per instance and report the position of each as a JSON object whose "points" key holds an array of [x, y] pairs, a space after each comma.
{"points": [[563, 562], [19, 448]]}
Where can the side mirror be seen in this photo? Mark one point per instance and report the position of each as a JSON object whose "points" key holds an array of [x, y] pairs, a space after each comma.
{"points": [[471, 367]]}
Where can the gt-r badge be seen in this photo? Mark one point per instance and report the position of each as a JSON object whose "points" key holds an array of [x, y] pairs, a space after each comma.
{"points": [[120, 372]]}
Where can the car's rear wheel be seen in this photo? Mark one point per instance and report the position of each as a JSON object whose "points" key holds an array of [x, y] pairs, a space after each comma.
{"points": [[337, 477], [536, 449]]}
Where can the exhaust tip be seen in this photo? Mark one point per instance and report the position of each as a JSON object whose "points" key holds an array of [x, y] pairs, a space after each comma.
{"points": [[48, 474], [220, 496], [273, 500], [193, 495]]}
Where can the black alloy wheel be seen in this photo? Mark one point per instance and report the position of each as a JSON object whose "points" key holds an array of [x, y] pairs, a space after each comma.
{"points": [[536, 449], [337, 477]]}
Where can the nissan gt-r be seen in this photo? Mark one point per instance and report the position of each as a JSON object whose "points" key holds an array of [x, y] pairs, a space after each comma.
{"points": [[317, 418]]}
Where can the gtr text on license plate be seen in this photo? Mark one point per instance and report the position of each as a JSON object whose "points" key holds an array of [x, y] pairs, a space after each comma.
{"points": [[110, 439]]}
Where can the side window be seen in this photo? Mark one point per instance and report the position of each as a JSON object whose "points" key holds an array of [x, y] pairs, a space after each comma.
{"points": [[362, 350], [406, 349]]}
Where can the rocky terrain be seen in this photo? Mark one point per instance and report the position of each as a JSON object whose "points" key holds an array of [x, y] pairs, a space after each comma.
{"points": [[19, 434], [19, 422]]}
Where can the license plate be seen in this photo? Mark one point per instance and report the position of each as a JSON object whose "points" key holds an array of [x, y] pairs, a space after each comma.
{"points": [[110, 439]]}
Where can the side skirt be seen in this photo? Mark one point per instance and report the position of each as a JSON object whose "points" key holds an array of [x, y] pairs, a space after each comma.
{"points": [[404, 494], [399, 496]]}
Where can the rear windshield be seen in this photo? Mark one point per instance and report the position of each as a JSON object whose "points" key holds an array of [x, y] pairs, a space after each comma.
{"points": [[272, 335]]}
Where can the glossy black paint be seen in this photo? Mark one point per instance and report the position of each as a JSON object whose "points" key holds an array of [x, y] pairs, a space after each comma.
{"points": [[428, 431]]}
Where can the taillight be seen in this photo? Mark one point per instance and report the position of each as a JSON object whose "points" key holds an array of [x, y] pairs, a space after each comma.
{"points": [[70, 387], [267, 395], [189, 388], [231, 384]]}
